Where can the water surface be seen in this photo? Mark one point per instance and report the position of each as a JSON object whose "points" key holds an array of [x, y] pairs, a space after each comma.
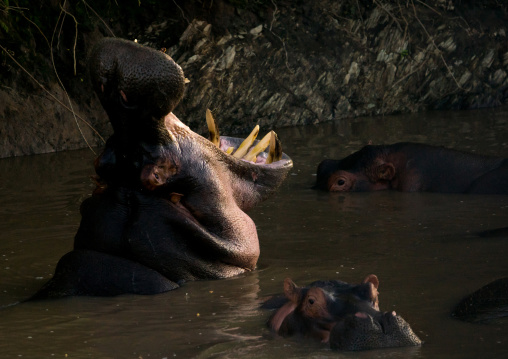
{"points": [[423, 247]]}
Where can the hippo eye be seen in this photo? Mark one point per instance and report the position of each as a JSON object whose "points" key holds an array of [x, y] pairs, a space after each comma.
{"points": [[311, 301], [341, 182], [156, 176]]}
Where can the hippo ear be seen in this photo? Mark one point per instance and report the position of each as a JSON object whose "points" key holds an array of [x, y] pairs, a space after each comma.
{"points": [[386, 171], [372, 278], [291, 290], [373, 293]]}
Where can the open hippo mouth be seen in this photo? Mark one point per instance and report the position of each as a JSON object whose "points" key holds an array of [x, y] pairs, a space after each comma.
{"points": [[170, 204], [253, 167]]}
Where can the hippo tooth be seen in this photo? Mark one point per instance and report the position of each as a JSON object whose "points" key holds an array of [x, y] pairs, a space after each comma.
{"points": [[258, 148], [213, 130], [244, 147], [230, 150], [275, 153]]}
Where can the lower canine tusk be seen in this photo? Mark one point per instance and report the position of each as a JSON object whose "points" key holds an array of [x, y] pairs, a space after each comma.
{"points": [[257, 149], [245, 145], [275, 153], [213, 130]]}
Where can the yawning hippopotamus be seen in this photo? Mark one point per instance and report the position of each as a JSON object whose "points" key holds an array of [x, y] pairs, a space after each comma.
{"points": [[414, 167], [344, 315], [170, 205]]}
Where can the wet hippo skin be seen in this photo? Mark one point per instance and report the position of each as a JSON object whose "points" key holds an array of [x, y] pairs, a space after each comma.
{"points": [[137, 237], [364, 332], [344, 315], [488, 303], [414, 167]]}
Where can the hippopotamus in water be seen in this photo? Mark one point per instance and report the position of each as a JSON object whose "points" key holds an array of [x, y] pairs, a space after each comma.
{"points": [[488, 303], [170, 205], [344, 315], [414, 167]]}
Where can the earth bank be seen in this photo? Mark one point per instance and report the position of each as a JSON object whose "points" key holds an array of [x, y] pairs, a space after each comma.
{"points": [[272, 63]]}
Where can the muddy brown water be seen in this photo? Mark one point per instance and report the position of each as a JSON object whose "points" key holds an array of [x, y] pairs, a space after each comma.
{"points": [[422, 246]]}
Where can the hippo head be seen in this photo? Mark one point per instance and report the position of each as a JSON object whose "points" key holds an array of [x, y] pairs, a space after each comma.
{"points": [[346, 316], [313, 310], [361, 171], [170, 204]]}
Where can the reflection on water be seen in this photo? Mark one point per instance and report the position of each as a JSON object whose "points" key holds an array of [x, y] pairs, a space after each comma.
{"points": [[424, 248]]}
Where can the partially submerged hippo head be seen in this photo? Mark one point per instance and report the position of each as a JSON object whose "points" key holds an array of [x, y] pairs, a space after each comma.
{"points": [[413, 167], [344, 315], [170, 205]]}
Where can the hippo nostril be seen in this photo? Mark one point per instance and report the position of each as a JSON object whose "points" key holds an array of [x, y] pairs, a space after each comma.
{"points": [[125, 103], [361, 315], [124, 97]]}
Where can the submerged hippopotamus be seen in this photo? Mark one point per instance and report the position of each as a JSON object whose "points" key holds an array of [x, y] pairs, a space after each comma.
{"points": [[170, 205], [414, 167], [488, 303], [344, 315]]}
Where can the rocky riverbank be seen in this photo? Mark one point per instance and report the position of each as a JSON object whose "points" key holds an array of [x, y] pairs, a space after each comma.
{"points": [[284, 63]]}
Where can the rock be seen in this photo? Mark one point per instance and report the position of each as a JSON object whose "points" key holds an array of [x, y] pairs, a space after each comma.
{"points": [[448, 45], [354, 70], [227, 59], [497, 77], [505, 59], [257, 30], [489, 58], [464, 78]]}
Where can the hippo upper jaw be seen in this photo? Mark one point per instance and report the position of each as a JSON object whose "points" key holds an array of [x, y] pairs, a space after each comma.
{"points": [[127, 76]]}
